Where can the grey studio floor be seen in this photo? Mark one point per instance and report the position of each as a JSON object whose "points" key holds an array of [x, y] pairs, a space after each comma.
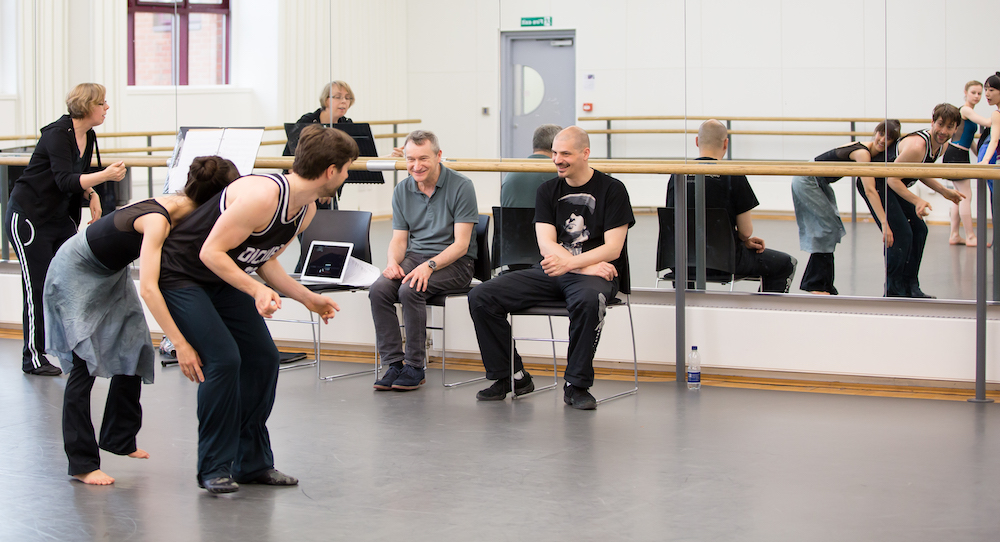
{"points": [[719, 464]]}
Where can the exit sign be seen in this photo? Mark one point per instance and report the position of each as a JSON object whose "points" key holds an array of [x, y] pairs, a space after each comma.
{"points": [[536, 21]]}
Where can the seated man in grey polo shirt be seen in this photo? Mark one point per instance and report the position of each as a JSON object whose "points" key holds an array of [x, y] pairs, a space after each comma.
{"points": [[434, 213], [519, 187]]}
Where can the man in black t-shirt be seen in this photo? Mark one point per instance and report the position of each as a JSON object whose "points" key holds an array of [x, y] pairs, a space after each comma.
{"points": [[581, 220], [733, 193]]}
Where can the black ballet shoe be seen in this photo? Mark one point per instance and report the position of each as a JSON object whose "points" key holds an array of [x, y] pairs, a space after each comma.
{"points": [[219, 484]]}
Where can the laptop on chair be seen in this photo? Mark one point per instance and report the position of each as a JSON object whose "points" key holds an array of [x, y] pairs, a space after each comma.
{"points": [[330, 264]]}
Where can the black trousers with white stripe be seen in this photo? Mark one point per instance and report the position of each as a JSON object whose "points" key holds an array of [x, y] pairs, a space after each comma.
{"points": [[35, 245]]}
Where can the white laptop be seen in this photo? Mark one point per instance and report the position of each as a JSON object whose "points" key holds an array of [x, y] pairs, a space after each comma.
{"points": [[330, 262]]}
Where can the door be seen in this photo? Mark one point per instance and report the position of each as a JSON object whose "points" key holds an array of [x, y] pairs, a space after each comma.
{"points": [[538, 86]]}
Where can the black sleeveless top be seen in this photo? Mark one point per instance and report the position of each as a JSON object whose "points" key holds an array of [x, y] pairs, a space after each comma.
{"points": [[113, 238], [840, 154], [929, 158], [181, 265]]}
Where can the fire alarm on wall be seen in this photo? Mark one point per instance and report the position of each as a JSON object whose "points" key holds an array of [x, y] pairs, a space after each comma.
{"points": [[588, 107]]}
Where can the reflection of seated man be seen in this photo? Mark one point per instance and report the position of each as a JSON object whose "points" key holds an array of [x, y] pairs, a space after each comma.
{"points": [[519, 187], [733, 193], [581, 220], [432, 249]]}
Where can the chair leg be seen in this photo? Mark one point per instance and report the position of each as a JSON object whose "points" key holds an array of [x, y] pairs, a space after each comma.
{"points": [[444, 354], [378, 363], [314, 327], [555, 369], [635, 358]]}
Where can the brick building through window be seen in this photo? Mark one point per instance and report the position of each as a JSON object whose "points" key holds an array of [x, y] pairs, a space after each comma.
{"points": [[182, 42]]}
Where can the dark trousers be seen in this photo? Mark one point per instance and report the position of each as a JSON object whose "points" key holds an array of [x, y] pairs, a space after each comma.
{"points": [[775, 268], [586, 298], [35, 245], [240, 363], [818, 274], [122, 418], [909, 234]]}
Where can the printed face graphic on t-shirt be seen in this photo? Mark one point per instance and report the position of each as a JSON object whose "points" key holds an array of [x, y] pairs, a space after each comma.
{"points": [[573, 211]]}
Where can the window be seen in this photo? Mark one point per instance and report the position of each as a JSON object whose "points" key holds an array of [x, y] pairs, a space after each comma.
{"points": [[182, 42]]}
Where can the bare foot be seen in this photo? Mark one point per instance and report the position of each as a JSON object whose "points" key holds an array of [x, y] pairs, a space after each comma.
{"points": [[970, 241], [956, 240], [139, 453], [820, 293], [96, 478]]}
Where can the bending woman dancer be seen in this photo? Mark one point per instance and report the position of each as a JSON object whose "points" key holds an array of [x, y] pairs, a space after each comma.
{"points": [[820, 226], [957, 152], [45, 205], [95, 324]]}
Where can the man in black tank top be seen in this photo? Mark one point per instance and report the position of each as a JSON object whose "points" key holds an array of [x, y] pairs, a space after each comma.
{"points": [[905, 210], [205, 280]]}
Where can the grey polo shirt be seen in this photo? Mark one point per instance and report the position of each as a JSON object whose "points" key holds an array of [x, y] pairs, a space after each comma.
{"points": [[430, 221]]}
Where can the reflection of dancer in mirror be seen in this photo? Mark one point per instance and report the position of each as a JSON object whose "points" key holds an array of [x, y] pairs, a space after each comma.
{"points": [[820, 226], [905, 210], [957, 152], [95, 324]]}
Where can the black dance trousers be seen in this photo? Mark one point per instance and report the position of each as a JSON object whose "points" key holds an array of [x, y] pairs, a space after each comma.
{"points": [[35, 245], [909, 234], [775, 268], [586, 299], [240, 364], [122, 418], [818, 274]]}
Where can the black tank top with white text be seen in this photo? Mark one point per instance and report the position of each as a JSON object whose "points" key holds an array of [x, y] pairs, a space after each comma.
{"points": [[181, 265], [929, 158]]}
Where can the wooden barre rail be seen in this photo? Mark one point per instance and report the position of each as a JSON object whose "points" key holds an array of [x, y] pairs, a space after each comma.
{"points": [[754, 119], [656, 167], [266, 128]]}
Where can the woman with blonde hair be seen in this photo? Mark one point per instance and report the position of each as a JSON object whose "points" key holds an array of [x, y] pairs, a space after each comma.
{"points": [[957, 152], [45, 204]]}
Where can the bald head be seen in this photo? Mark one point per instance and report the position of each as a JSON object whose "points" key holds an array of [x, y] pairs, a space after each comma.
{"points": [[575, 136], [712, 139]]}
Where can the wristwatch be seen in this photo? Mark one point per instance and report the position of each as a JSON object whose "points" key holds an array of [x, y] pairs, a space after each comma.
{"points": [[432, 264]]}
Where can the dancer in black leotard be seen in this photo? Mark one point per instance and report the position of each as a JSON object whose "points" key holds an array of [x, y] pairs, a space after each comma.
{"points": [[207, 262], [95, 324], [820, 227]]}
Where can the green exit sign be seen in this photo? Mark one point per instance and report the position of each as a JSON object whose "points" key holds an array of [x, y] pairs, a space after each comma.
{"points": [[536, 21]]}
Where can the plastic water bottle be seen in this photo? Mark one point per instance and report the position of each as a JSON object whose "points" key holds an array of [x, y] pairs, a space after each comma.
{"points": [[694, 369]]}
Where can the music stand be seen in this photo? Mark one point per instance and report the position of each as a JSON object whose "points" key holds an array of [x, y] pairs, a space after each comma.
{"points": [[361, 132]]}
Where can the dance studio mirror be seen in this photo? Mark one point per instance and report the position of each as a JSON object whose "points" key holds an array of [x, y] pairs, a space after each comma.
{"points": [[869, 60]]}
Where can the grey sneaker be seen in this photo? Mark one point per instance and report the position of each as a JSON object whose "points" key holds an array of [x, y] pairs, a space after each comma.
{"points": [[390, 376], [578, 398], [410, 379]]}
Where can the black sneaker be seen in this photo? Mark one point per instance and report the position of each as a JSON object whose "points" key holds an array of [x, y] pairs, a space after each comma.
{"points": [[499, 390], [578, 398], [46, 369], [390, 376], [409, 379]]}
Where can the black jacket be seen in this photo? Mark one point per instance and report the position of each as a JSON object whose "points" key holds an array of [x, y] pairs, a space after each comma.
{"points": [[50, 187]]}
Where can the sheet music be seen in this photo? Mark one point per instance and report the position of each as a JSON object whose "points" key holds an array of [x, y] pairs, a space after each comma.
{"points": [[240, 145], [361, 273], [237, 144]]}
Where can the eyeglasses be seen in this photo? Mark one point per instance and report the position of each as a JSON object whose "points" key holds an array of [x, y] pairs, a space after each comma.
{"points": [[339, 97], [105, 102]]}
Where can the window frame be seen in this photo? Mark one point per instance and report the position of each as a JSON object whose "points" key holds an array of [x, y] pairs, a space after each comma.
{"points": [[183, 9]]}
